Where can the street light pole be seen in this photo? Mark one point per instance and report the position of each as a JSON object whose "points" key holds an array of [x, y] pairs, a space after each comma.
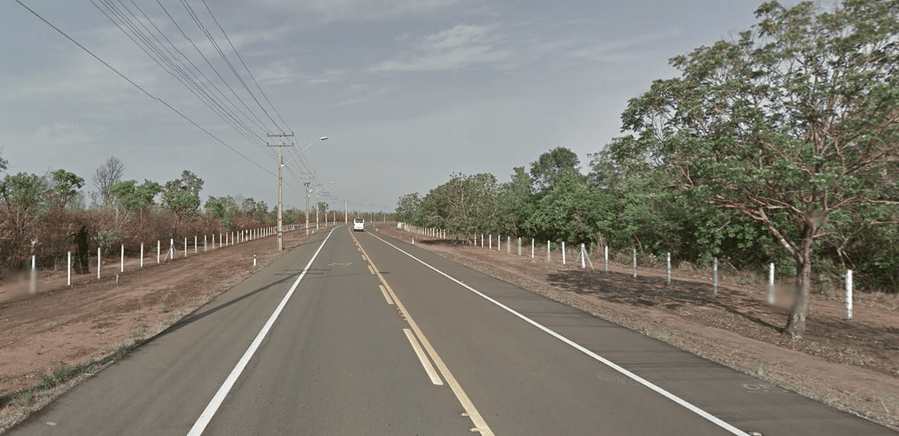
{"points": [[281, 164]]}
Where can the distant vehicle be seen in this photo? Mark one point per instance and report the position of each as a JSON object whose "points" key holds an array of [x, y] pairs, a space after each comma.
{"points": [[359, 224]]}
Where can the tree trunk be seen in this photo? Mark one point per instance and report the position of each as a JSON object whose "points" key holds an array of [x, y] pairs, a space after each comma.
{"points": [[796, 321]]}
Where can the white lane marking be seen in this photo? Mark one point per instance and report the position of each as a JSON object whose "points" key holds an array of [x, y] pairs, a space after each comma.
{"points": [[219, 397], [424, 360], [386, 296], [473, 414], [717, 421]]}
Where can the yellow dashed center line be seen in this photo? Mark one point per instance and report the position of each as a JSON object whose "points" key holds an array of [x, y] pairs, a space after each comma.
{"points": [[469, 407], [386, 295]]}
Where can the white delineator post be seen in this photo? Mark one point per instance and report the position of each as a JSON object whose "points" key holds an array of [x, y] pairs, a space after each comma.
{"points": [[606, 255], [532, 248], [141, 254], [849, 294], [635, 262], [98, 263], [122, 261], [490, 241], [185, 247], [32, 286], [519, 245], [158, 249], [195, 244], [69, 283], [205, 248], [548, 250], [715, 277], [563, 252], [668, 269], [583, 258], [508, 245], [771, 283]]}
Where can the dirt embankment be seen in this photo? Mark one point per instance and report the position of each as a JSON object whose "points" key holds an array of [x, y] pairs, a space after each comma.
{"points": [[852, 365]]}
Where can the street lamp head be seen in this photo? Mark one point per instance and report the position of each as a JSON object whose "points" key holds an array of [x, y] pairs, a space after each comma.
{"points": [[323, 138]]}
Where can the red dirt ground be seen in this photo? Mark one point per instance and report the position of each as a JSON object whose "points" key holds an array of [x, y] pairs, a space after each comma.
{"points": [[91, 320]]}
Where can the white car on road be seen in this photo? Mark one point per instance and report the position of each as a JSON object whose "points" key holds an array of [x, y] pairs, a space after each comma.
{"points": [[359, 224]]}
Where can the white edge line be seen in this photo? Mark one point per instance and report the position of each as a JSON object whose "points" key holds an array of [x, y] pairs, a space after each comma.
{"points": [[580, 348], [424, 360], [219, 397]]}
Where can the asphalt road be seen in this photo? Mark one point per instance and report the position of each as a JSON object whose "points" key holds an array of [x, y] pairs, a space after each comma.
{"points": [[359, 334]]}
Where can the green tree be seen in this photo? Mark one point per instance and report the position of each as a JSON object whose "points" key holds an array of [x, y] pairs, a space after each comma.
{"points": [[518, 200], [570, 211], [136, 198], [22, 206], [182, 196], [4, 164], [407, 206], [552, 165], [222, 208], [787, 124], [64, 188]]}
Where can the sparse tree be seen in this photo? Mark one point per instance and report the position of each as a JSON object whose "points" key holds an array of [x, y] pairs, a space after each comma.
{"points": [[64, 188], [106, 176], [407, 207]]}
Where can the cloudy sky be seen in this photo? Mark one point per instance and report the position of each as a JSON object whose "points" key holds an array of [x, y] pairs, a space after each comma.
{"points": [[408, 91]]}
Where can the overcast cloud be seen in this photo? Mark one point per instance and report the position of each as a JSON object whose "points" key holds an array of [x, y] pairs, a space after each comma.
{"points": [[408, 92]]}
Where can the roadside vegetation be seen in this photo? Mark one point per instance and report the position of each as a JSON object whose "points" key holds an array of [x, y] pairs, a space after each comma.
{"points": [[779, 145], [48, 215]]}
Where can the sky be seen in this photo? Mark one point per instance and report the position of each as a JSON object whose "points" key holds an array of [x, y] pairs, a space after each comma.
{"points": [[408, 92]]}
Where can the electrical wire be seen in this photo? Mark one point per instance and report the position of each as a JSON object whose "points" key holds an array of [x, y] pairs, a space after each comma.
{"points": [[174, 70], [140, 88], [245, 65]]}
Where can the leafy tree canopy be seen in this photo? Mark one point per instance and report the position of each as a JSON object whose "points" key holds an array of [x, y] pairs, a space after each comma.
{"points": [[134, 197], [182, 196], [549, 168], [787, 124]]}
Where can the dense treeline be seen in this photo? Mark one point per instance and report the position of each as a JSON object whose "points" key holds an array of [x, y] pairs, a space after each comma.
{"points": [[48, 216], [780, 145]]}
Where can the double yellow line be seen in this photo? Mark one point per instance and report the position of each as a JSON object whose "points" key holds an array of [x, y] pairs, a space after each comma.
{"points": [[476, 418]]}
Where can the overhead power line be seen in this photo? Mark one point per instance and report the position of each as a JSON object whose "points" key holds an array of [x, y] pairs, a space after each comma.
{"points": [[140, 88]]}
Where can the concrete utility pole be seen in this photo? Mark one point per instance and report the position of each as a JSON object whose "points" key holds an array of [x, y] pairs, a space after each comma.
{"points": [[280, 165], [345, 219], [307, 204]]}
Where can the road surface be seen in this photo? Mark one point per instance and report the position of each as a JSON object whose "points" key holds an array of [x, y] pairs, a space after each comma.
{"points": [[359, 334]]}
